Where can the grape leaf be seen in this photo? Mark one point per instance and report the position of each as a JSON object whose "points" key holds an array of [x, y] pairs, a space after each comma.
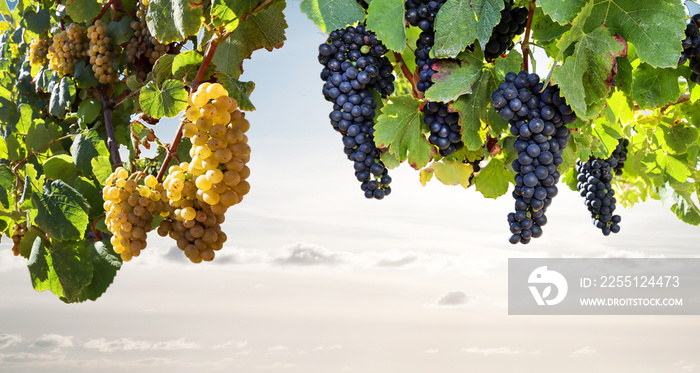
{"points": [[62, 97], [681, 204], [512, 62], [492, 181], [121, 31], [238, 90], [61, 211], [586, 76], [561, 11], [450, 172], [399, 129], [88, 111], [7, 180], [36, 22], [186, 65], [654, 27], [330, 15], [460, 22], [106, 263], [655, 87], [60, 167], [38, 136], [454, 77], [386, 19], [174, 20], [64, 269], [163, 68], [672, 166], [264, 29], [82, 10], [678, 138], [167, 101], [86, 147], [472, 108]]}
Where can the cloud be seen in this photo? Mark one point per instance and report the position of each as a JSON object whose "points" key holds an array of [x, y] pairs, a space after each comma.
{"points": [[7, 340], [431, 351], [278, 348], [688, 367], [582, 351], [307, 255], [230, 343], [628, 254], [494, 351], [455, 299], [128, 344], [332, 347], [52, 341], [400, 260], [24, 357]]}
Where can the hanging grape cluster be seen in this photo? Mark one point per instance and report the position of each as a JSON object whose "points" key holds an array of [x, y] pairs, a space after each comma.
{"points": [[594, 184], [200, 191], [68, 48], [39, 51], [354, 61], [18, 231], [691, 48], [512, 24], [129, 210], [537, 116], [102, 53], [143, 50]]}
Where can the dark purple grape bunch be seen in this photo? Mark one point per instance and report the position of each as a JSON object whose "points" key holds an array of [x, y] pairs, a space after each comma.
{"points": [[445, 131], [594, 184], [691, 48], [421, 13], [538, 116], [619, 156], [353, 60], [513, 22]]}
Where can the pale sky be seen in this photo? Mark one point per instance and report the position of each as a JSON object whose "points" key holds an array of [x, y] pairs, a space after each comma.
{"points": [[315, 278]]}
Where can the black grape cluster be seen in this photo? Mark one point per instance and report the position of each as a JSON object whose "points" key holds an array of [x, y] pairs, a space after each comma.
{"points": [[594, 183], [445, 131], [537, 115], [422, 13], [513, 21], [354, 61], [691, 48]]}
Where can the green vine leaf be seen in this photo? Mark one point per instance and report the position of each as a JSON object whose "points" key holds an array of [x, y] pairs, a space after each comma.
{"points": [[449, 172], [386, 19], [174, 20], [86, 147], [238, 90], [473, 107], [655, 87], [560, 11], [454, 77], [106, 263], [264, 29], [62, 97], [330, 15], [62, 212], [64, 268], [399, 128], [167, 101], [82, 10], [460, 22], [186, 65], [493, 180]]}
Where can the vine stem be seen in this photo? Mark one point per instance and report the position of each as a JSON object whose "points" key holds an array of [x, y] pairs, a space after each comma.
{"points": [[526, 41], [206, 62], [407, 73], [111, 141], [684, 97], [22, 161], [104, 10]]}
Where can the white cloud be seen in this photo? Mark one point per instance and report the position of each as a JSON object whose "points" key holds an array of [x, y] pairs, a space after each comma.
{"points": [[53, 341], [629, 254], [230, 343], [128, 344], [278, 348], [431, 351], [25, 357], [688, 367], [455, 299], [7, 340], [331, 347], [306, 255], [587, 350], [494, 351]]}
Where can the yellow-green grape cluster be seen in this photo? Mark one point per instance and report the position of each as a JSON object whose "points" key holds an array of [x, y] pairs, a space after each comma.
{"points": [[39, 51], [142, 43], [219, 150], [193, 224], [18, 231], [129, 210], [68, 48], [102, 53]]}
